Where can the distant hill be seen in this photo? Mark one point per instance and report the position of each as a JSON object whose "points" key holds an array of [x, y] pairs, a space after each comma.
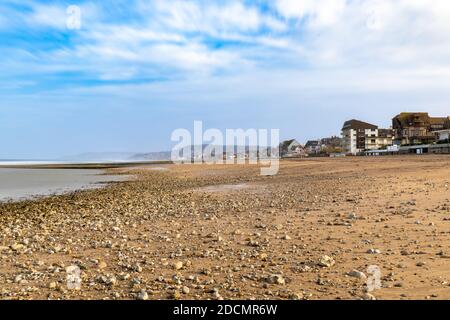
{"points": [[144, 156], [99, 157], [150, 156]]}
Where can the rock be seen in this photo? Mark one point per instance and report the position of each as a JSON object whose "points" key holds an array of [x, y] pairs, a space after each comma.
{"points": [[276, 279], [368, 296], [296, 296], [373, 251], [352, 216], [326, 261], [111, 281], [17, 246], [286, 237], [124, 276], [52, 285], [138, 268], [178, 265], [143, 295], [216, 294], [185, 290], [102, 265], [176, 295], [356, 274]]}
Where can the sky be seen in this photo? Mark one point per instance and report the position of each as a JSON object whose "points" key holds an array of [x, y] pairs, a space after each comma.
{"points": [[127, 73]]}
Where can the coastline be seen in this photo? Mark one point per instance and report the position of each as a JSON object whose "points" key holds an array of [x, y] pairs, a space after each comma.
{"points": [[41, 180], [76, 165]]}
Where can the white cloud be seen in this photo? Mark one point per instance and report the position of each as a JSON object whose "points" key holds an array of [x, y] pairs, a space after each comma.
{"points": [[48, 16], [321, 13], [178, 38], [208, 17]]}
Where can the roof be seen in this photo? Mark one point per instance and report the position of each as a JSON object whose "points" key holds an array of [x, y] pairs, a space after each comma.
{"points": [[287, 143], [312, 143], [357, 124], [440, 120], [404, 115], [406, 119]]}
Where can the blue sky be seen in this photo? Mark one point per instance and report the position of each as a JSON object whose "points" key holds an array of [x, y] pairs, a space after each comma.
{"points": [[136, 70]]}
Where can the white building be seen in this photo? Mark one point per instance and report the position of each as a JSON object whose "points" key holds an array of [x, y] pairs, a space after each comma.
{"points": [[291, 148], [359, 136]]}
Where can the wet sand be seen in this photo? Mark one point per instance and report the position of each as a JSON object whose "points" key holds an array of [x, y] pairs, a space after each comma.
{"points": [[16, 184]]}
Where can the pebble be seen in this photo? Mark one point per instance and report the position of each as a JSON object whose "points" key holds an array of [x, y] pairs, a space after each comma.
{"points": [[185, 290], [178, 265], [326, 261], [276, 279], [143, 295], [368, 296], [357, 274], [17, 246]]}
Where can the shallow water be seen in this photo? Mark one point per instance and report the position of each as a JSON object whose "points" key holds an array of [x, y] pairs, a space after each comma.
{"points": [[18, 184]]}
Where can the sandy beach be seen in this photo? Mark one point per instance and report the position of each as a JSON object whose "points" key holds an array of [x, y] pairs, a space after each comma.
{"points": [[225, 232]]}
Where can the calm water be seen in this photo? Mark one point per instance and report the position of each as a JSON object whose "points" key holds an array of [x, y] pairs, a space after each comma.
{"points": [[19, 184]]}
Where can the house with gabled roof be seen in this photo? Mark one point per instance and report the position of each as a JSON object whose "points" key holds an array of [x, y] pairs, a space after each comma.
{"points": [[291, 148]]}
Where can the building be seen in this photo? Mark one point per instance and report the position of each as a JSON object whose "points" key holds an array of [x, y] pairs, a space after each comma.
{"points": [[291, 148], [331, 142], [385, 138], [416, 128], [331, 145], [313, 146], [443, 136], [358, 136]]}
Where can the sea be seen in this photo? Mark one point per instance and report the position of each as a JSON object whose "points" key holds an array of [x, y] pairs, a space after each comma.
{"points": [[23, 183]]}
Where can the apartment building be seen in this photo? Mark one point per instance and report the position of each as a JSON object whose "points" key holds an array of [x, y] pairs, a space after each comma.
{"points": [[359, 136]]}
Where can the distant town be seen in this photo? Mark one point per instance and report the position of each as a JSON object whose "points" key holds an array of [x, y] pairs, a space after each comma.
{"points": [[411, 132]]}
